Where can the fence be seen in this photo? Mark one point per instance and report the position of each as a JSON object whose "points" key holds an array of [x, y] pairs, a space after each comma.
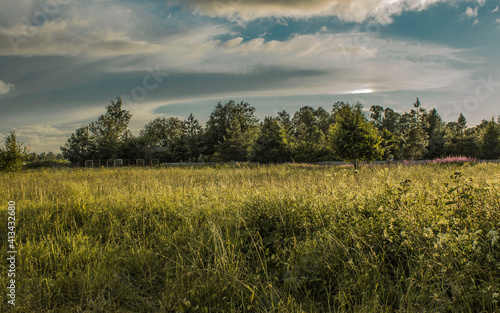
{"points": [[156, 162], [121, 162]]}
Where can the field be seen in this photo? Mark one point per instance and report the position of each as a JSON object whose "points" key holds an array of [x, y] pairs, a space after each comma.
{"points": [[282, 238]]}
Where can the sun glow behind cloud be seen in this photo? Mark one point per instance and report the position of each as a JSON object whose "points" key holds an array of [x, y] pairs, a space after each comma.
{"points": [[360, 91]]}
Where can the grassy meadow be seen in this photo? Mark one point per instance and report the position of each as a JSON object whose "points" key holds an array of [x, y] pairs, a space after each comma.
{"points": [[281, 238]]}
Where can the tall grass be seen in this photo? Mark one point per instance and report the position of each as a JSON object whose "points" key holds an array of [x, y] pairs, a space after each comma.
{"points": [[256, 239]]}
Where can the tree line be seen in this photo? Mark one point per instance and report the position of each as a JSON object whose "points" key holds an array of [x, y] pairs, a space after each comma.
{"points": [[233, 133]]}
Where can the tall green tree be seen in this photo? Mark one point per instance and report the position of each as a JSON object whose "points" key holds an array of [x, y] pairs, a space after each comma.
{"points": [[236, 144], [386, 121], [391, 143], [377, 116], [192, 126], [310, 130], [111, 130], [286, 125], [13, 155], [222, 125], [134, 148], [271, 145], [436, 133], [352, 138], [172, 139], [285, 121], [390, 120], [310, 146], [102, 139], [490, 141], [412, 127], [461, 140], [194, 137], [81, 146], [180, 150], [162, 131], [323, 120]]}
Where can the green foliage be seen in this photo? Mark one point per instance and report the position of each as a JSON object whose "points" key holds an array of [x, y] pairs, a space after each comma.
{"points": [[271, 146], [101, 139], [111, 130], [376, 116], [81, 146], [461, 140], [310, 146], [391, 143], [13, 155], [162, 131], [490, 141], [389, 120], [352, 138], [181, 151], [223, 124], [193, 133], [310, 130], [47, 163], [171, 139], [413, 127], [232, 133], [236, 144], [44, 156], [137, 148], [436, 134]]}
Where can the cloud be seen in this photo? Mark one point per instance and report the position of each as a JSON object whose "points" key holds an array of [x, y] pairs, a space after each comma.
{"points": [[42, 137], [5, 88], [13, 12], [70, 37], [98, 30], [41, 130], [92, 28], [342, 59], [347, 10], [471, 12], [495, 10], [497, 20]]}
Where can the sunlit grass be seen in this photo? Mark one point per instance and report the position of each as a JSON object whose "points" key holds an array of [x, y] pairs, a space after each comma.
{"points": [[282, 238]]}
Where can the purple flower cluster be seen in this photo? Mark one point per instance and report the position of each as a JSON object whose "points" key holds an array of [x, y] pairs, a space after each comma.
{"points": [[447, 160], [456, 159]]}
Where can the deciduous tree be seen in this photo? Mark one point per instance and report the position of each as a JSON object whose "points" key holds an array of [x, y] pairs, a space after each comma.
{"points": [[111, 130], [223, 125], [271, 145], [352, 138], [490, 141], [81, 146]]}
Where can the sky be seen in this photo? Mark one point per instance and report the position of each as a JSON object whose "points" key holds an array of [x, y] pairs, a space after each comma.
{"points": [[63, 61]]}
